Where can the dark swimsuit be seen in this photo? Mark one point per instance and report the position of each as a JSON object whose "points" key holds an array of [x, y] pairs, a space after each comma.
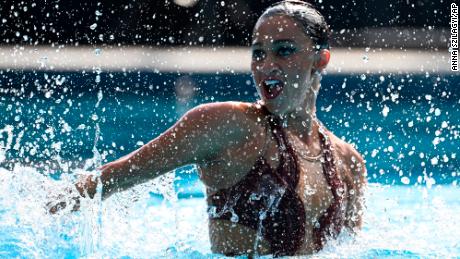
{"points": [[266, 200]]}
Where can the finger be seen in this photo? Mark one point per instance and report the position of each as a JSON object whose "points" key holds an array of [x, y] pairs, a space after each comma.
{"points": [[76, 205], [61, 205]]}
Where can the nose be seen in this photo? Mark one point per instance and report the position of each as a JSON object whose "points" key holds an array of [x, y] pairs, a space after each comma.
{"points": [[269, 66]]}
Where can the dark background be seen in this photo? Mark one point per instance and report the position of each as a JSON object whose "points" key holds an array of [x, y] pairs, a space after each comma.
{"points": [[420, 23]]}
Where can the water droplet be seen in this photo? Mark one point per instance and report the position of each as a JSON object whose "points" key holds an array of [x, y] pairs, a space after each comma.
{"points": [[385, 111], [43, 60], [60, 80], [93, 26], [405, 180], [99, 95], [445, 159], [262, 215], [374, 152], [255, 197], [365, 59], [97, 51], [363, 77], [98, 70], [437, 112], [234, 218]]}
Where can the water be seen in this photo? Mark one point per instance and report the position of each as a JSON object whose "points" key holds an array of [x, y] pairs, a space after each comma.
{"points": [[405, 125], [149, 221], [56, 125]]}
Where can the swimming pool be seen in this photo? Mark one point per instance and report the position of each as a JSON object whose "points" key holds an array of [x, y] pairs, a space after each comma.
{"points": [[150, 222], [405, 125]]}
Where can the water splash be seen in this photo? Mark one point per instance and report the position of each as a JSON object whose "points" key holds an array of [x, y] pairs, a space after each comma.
{"points": [[91, 233], [127, 223], [5, 145], [271, 198], [95, 161], [416, 221]]}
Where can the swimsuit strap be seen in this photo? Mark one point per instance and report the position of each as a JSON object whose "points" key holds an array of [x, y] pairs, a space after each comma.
{"points": [[284, 227], [287, 232], [287, 169], [330, 223]]}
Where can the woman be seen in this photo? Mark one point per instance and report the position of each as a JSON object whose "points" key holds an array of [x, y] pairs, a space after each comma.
{"points": [[278, 182]]}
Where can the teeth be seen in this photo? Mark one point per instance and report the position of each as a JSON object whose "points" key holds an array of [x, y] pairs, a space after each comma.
{"points": [[271, 82]]}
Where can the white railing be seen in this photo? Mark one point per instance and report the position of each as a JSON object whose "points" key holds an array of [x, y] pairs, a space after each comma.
{"points": [[210, 60]]}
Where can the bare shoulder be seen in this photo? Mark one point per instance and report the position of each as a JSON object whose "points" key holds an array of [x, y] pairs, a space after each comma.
{"points": [[235, 108], [238, 130], [225, 124], [351, 159], [354, 175], [232, 114]]}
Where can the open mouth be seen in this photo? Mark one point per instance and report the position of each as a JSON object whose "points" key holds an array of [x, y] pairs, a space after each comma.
{"points": [[272, 88]]}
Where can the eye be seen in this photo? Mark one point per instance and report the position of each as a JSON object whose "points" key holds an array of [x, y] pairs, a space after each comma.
{"points": [[285, 51], [258, 55]]}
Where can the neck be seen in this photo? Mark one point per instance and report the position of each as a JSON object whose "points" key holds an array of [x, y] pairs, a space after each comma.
{"points": [[302, 123]]}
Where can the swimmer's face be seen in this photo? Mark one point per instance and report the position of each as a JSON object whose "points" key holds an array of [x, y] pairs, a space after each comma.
{"points": [[282, 62]]}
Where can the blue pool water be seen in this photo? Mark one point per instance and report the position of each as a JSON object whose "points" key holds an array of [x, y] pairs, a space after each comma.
{"points": [[54, 125], [405, 125], [150, 222]]}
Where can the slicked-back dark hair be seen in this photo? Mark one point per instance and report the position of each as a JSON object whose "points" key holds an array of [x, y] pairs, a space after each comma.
{"points": [[313, 22]]}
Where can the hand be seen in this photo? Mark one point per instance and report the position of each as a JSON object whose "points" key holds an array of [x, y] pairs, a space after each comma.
{"points": [[85, 187], [70, 198]]}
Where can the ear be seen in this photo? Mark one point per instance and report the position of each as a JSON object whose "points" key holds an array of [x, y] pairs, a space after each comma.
{"points": [[322, 59]]}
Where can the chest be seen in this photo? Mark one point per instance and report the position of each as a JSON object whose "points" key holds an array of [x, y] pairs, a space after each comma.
{"points": [[312, 188]]}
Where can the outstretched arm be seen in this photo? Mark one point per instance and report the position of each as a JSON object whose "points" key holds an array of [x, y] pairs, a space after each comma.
{"points": [[199, 135]]}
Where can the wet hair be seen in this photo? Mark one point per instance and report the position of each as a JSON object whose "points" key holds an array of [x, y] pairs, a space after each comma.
{"points": [[313, 22]]}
